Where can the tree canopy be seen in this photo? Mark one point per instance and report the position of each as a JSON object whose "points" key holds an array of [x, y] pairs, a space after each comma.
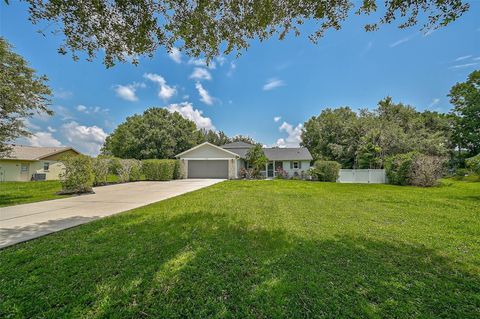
{"points": [[465, 98], [124, 30], [22, 94], [366, 139], [158, 133]]}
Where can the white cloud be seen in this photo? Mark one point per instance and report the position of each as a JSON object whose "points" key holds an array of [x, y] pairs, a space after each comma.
{"points": [[51, 129], [28, 123], [90, 110], [461, 58], [394, 44], [232, 68], [43, 139], [87, 139], [294, 135], [62, 94], [204, 95], [461, 66], [165, 91], [63, 112], [81, 108], [175, 55], [221, 60], [434, 102], [128, 92], [277, 118], [273, 84], [187, 111], [200, 74], [202, 62]]}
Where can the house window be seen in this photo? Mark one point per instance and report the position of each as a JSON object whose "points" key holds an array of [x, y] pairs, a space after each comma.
{"points": [[46, 166], [295, 165], [23, 168]]}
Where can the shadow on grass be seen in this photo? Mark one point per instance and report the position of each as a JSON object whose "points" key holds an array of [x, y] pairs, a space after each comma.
{"points": [[201, 265]]}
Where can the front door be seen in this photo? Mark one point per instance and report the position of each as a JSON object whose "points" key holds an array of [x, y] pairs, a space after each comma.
{"points": [[270, 169]]}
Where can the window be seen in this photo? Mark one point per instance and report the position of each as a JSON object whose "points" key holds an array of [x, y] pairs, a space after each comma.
{"points": [[46, 166], [295, 165], [23, 168]]}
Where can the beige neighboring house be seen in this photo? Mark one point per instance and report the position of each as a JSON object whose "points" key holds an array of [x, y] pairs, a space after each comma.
{"points": [[25, 162]]}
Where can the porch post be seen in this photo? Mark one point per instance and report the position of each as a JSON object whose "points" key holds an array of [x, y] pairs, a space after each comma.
{"points": [[274, 170]]}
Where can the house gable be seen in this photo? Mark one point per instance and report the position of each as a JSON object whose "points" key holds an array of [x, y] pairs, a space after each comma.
{"points": [[208, 151]]}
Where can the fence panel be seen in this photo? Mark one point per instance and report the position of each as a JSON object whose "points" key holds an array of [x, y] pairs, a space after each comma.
{"points": [[371, 176]]}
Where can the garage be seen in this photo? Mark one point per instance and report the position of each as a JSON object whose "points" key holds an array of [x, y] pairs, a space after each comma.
{"points": [[208, 169]]}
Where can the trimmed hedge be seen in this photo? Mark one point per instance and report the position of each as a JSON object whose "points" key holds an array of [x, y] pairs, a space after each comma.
{"points": [[473, 164], [160, 170], [101, 167], [326, 171], [78, 175]]}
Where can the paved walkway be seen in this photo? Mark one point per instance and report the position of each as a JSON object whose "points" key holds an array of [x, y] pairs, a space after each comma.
{"points": [[24, 222]]}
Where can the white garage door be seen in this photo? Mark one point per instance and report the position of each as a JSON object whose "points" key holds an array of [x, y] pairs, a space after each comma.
{"points": [[208, 169]]}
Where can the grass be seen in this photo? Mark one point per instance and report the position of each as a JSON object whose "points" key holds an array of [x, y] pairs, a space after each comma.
{"points": [[261, 249], [13, 193]]}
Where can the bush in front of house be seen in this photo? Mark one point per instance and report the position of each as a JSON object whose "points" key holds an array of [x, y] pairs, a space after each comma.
{"points": [[414, 169], [159, 170], [129, 170], [326, 171], [78, 175], [101, 168], [280, 173]]}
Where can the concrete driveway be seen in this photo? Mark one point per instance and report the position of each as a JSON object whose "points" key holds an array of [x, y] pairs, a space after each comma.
{"points": [[24, 222]]}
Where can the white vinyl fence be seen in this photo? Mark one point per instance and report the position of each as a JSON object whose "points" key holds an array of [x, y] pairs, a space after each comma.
{"points": [[372, 176]]}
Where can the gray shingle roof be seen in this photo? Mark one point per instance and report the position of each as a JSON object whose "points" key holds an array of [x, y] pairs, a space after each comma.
{"points": [[237, 145], [297, 153], [32, 153], [273, 154]]}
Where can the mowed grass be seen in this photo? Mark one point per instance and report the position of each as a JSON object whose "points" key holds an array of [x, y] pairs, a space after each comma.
{"points": [[261, 249], [13, 193]]}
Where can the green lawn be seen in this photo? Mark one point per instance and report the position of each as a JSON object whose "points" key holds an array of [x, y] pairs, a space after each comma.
{"points": [[13, 193], [261, 249]]}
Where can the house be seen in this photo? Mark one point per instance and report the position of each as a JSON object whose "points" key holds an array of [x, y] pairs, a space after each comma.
{"points": [[210, 161], [25, 162]]}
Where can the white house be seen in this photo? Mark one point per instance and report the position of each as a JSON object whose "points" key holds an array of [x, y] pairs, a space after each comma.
{"points": [[210, 161]]}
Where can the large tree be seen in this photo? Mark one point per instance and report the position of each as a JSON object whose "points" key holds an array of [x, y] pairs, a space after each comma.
{"points": [[157, 133], [465, 98], [23, 93], [366, 139], [123, 30]]}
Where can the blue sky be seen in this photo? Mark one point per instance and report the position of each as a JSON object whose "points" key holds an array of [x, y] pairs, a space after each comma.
{"points": [[267, 93]]}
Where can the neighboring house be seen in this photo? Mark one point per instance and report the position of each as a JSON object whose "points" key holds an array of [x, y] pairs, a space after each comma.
{"points": [[25, 162], [210, 161]]}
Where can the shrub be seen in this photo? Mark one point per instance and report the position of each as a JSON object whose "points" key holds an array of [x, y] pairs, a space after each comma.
{"points": [[326, 171], [176, 170], [426, 170], [473, 164], [129, 170], [398, 168], [159, 170], [414, 169], [280, 173], [101, 168], [77, 176]]}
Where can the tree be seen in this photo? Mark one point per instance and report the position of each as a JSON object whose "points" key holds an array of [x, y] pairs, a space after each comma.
{"points": [[366, 139], [124, 30], [332, 135], [211, 136], [157, 133], [465, 98], [242, 138], [257, 158], [22, 94]]}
